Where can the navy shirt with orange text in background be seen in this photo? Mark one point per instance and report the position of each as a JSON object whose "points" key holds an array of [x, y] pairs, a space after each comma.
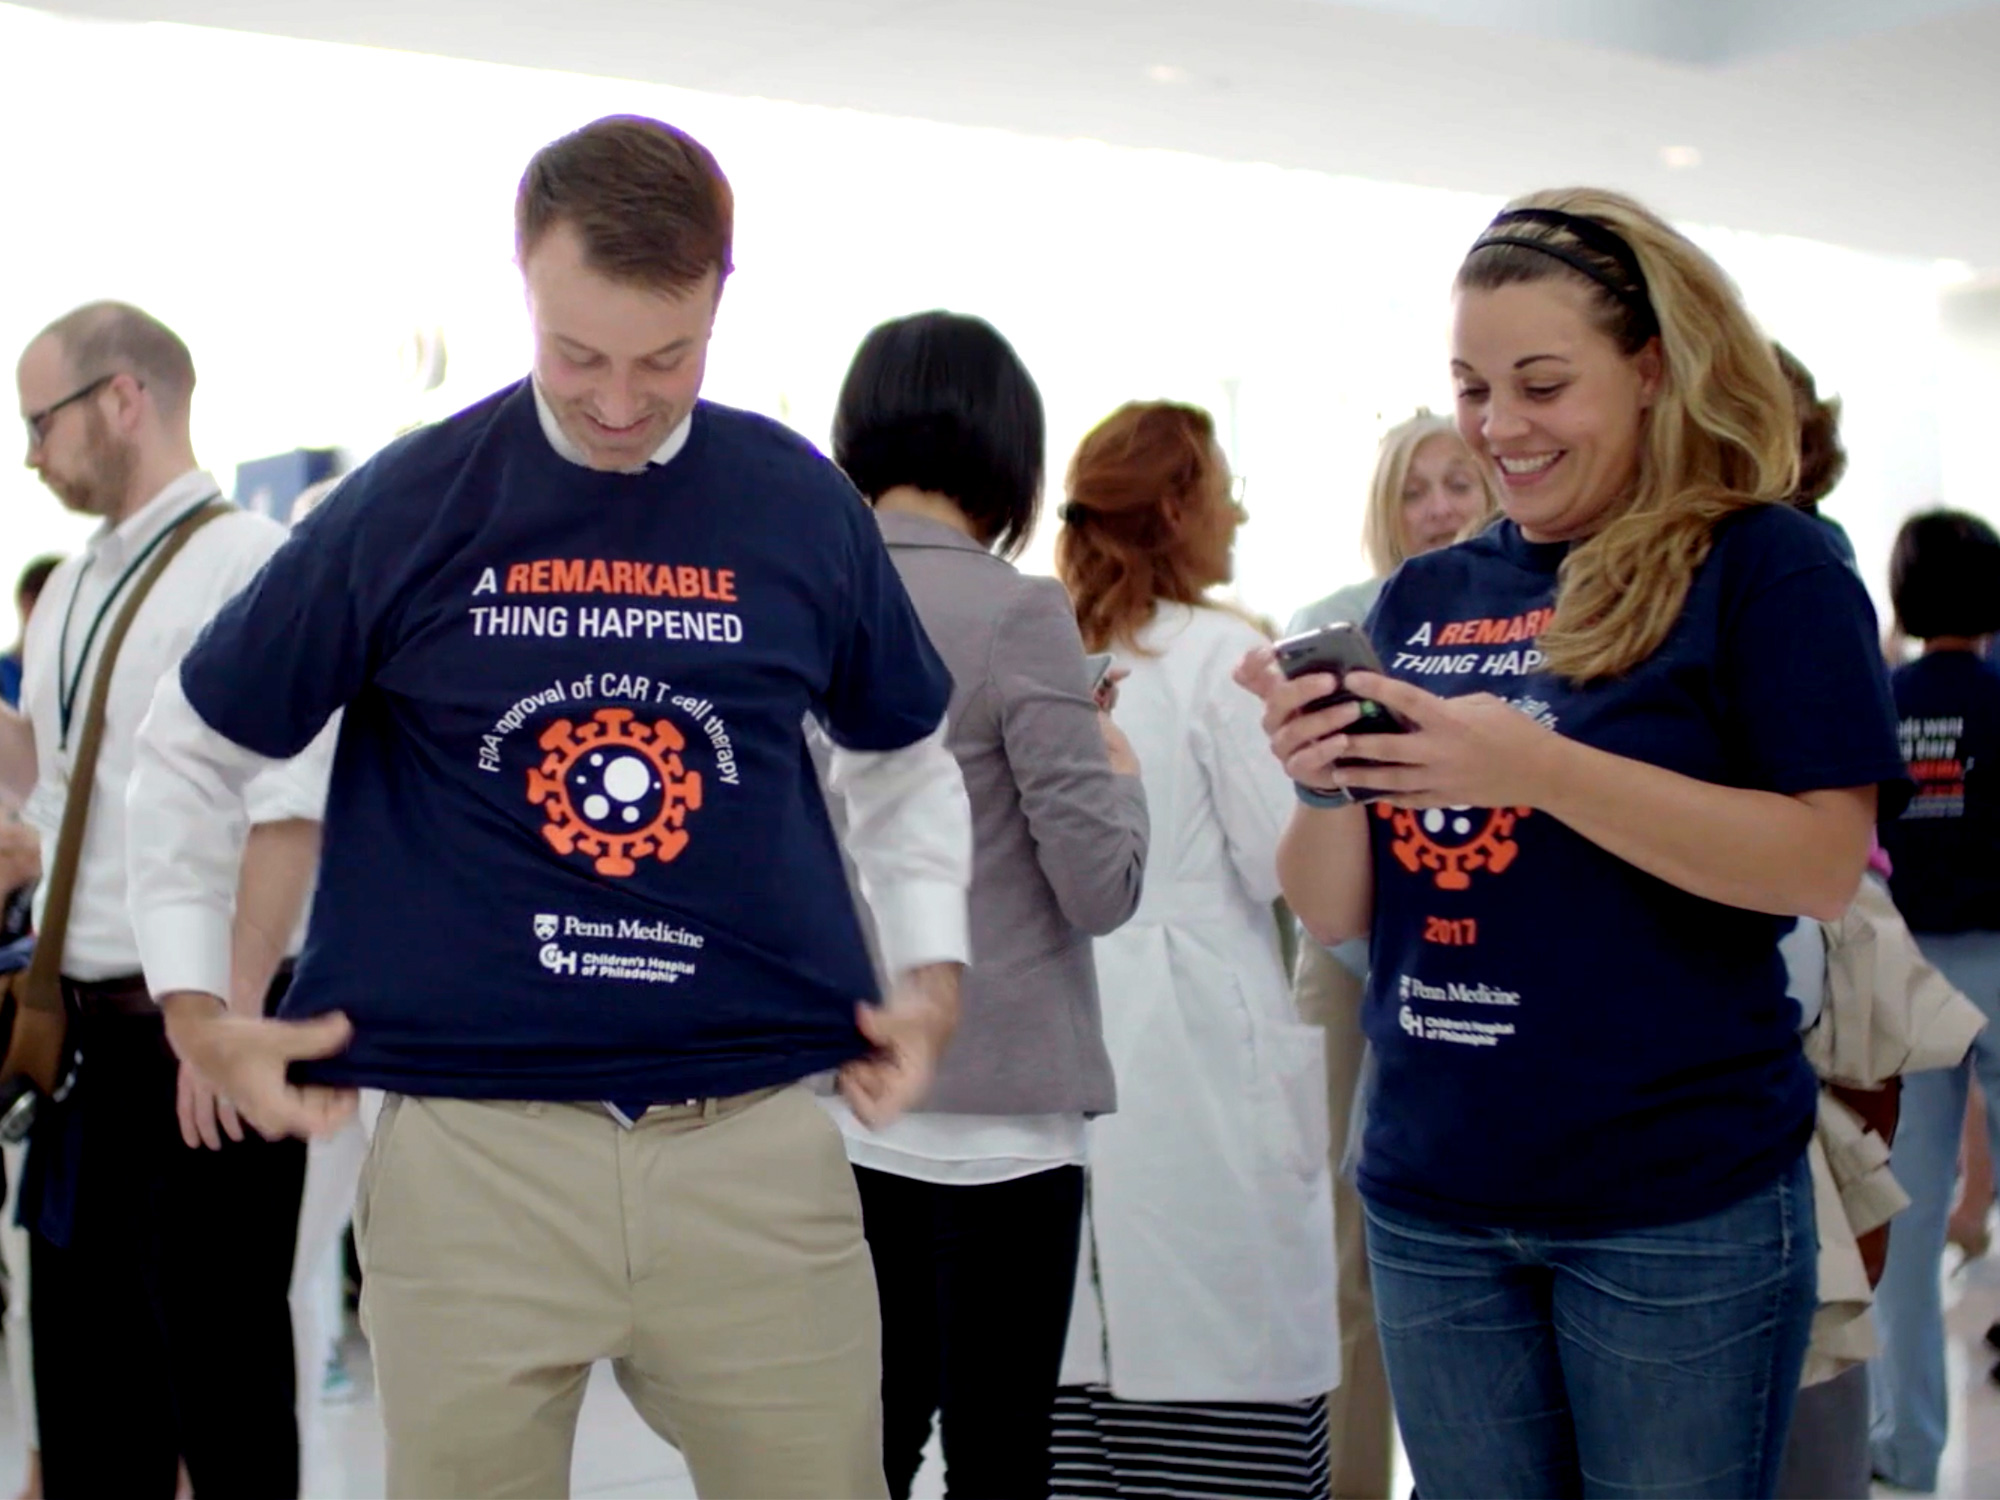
{"points": [[1945, 849], [1564, 1042], [575, 847]]}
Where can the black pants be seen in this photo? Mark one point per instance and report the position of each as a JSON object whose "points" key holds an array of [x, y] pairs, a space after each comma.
{"points": [[161, 1328], [976, 1284]]}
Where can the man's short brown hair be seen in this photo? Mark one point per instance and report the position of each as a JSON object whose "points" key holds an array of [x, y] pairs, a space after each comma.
{"points": [[651, 204]]}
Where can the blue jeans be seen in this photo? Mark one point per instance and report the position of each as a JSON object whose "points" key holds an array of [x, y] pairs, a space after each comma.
{"points": [[1656, 1362], [1907, 1380]]}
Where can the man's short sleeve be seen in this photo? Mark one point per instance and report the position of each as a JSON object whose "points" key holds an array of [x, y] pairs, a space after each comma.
{"points": [[889, 688], [290, 650]]}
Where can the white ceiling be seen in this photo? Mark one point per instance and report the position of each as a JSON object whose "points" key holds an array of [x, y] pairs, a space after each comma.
{"points": [[1872, 123], [1685, 31]]}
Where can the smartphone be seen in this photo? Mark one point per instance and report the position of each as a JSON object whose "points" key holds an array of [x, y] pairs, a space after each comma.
{"points": [[1340, 649], [1096, 668]]}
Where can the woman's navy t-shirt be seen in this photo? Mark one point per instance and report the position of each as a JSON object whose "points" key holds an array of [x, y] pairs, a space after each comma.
{"points": [[1565, 1042], [575, 847], [1945, 849]]}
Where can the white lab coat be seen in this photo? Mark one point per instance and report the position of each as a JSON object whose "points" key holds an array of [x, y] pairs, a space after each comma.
{"points": [[1207, 1271]]}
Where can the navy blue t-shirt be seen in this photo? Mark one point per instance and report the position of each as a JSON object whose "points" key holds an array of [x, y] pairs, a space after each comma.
{"points": [[575, 847], [1945, 849], [1564, 1041]]}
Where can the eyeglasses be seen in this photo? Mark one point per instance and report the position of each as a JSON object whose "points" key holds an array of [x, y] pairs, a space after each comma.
{"points": [[1239, 486], [38, 421]]}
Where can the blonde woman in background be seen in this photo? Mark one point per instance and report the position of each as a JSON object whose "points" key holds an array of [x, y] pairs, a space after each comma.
{"points": [[1429, 490]]}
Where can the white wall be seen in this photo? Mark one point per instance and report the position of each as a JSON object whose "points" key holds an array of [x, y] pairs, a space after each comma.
{"points": [[1970, 396], [295, 209]]}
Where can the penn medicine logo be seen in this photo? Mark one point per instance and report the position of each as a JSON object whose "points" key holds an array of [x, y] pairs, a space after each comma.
{"points": [[547, 924], [615, 790]]}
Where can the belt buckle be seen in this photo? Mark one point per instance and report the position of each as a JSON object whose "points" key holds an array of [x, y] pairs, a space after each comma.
{"points": [[19, 1100]]}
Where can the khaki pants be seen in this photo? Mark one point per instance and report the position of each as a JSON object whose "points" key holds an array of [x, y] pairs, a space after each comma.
{"points": [[713, 1254], [1358, 1415]]}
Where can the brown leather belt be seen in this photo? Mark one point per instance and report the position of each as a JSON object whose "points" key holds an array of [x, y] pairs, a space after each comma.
{"points": [[125, 995]]}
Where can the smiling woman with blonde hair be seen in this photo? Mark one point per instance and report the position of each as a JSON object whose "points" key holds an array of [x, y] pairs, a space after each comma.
{"points": [[1429, 489], [1647, 728]]}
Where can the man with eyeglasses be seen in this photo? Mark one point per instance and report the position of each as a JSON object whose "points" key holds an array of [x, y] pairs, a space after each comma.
{"points": [[162, 1230]]}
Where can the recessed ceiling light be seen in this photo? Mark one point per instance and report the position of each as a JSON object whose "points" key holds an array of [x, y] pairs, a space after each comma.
{"points": [[1166, 73], [1680, 158]]}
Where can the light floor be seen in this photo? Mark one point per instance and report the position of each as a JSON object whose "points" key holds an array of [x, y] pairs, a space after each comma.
{"points": [[617, 1455], [618, 1458], [1971, 1469]]}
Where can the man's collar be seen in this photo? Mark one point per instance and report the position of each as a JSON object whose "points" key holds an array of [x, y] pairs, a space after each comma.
{"points": [[560, 440], [148, 520]]}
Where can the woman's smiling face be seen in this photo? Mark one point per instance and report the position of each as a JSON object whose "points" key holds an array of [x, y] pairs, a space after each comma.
{"points": [[1548, 399]]}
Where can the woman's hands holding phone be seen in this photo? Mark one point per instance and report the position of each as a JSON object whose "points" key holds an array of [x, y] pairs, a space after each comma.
{"points": [[1302, 742], [1474, 751]]}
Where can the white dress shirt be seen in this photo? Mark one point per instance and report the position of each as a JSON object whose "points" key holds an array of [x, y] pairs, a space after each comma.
{"points": [[909, 822], [560, 440], [216, 562]]}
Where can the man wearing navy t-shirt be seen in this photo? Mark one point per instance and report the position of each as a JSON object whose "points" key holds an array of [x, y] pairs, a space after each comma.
{"points": [[581, 912]]}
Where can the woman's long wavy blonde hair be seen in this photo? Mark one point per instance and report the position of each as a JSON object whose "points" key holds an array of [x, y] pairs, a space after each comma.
{"points": [[1720, 436], [1382, 527]]}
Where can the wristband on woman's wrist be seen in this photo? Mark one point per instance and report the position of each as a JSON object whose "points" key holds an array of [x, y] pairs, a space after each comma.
{"points": [[1314, 797]]}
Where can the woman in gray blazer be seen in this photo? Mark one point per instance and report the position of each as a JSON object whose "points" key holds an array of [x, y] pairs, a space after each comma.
{"points": [[972, 1204]]}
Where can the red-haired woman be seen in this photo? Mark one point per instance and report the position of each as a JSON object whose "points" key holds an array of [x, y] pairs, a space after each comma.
{"points": [[1205, 1334]]}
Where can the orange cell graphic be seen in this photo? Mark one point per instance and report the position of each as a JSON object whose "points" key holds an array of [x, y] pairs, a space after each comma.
{"points": [[1463, 842], [615, 790]]}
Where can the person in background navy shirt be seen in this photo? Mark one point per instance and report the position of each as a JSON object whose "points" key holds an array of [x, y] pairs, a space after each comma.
{"points": [[20, 854], [1944, 578], [581, 911], [27, 593], [1649, 728]]}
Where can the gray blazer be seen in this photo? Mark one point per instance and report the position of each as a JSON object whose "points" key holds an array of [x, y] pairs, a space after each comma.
{"points": [[1059, 839]]}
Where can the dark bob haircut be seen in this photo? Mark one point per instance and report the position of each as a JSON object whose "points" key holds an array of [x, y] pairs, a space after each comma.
{"points": [[1944, 576], [941, 402]]}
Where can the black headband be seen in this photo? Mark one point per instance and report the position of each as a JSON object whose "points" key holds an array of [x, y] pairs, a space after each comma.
{"points": [[1600, 238]]}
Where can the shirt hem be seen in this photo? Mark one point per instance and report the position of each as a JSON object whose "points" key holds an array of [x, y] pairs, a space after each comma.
{"points": [[667, 1085], [1752, 1178]]}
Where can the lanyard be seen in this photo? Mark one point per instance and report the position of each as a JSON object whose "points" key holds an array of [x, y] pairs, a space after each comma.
{"points": [[68, 690]]}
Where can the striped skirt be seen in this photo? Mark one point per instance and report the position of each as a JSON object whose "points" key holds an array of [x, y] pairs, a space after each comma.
{"points": [[1102, 1446]]}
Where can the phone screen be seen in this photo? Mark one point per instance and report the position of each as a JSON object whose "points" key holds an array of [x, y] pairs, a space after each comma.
{"points": [[1096, 668], [1338, 650]]}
